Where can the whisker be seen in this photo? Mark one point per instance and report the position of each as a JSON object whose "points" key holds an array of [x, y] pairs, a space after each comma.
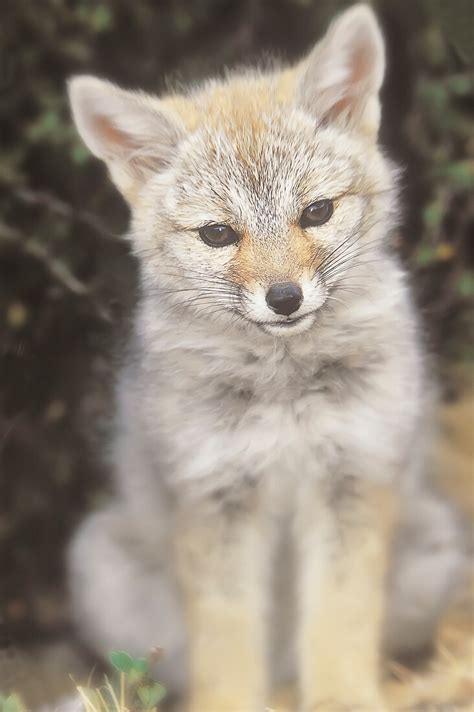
{"points": [[339, 301], [350, 248], [347, 266]]}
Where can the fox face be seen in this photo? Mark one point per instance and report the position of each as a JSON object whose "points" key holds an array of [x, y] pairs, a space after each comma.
{"points": [[254, 199]]}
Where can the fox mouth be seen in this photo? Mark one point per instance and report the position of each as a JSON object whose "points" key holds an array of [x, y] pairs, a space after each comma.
{"points": [[297, 322], [285, 324]]}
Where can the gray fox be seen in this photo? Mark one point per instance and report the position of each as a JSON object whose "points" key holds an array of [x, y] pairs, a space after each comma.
{"points": [[273, 517]]}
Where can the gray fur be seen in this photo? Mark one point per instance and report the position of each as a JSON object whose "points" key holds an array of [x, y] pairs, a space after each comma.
{"points": [[219, 401]]}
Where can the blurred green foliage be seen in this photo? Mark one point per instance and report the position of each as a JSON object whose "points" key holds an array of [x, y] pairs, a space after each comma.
{"points": [[132, 688], [10, 704], [67, 280]]}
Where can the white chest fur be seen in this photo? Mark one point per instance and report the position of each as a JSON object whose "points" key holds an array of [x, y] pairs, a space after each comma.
{"points": [[219, 410]]}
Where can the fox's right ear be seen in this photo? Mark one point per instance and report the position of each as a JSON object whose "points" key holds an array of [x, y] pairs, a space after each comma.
{"points": [[131, 131]]}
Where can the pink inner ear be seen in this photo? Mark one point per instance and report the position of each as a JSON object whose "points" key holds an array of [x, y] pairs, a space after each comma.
{"points": [[111, 135], [360, 65], [359, 71]]}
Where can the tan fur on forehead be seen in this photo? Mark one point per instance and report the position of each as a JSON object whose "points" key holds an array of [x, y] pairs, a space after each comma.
{"points": [[239, 101], [255, 113]]}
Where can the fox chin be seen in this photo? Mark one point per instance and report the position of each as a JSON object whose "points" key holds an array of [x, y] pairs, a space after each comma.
{"points": [[275, 413]]}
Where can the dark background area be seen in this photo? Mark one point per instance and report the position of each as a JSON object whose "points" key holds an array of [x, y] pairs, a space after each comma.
{"points": [[67, 281]]}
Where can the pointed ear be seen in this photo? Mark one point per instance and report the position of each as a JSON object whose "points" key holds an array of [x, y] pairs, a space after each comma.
{"points": [[341, 78], [132, 132]]}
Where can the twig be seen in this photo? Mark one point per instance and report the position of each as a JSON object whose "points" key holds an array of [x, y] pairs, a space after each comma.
{"points": [[60, 207], [56, 269]]}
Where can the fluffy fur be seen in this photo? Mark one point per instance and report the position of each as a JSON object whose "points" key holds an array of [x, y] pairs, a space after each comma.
{"points": [[249, 444]]}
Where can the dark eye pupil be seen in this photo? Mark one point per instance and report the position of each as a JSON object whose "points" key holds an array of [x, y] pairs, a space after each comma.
{"points": [[317, 213], [218, 235]]}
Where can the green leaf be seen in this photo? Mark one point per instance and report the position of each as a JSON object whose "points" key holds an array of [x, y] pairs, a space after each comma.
{"points": [[152, 695], [425, 255], [45, 126], [80, 154], [434, 94], [433, 214], [12, 704], [121, 661], [460, 84], [466, 284], [138, 671], [101, 19], [140, 665], [459, 174]]}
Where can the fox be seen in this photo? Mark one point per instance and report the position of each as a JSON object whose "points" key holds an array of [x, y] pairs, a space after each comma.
{"points": [[273, 518]]}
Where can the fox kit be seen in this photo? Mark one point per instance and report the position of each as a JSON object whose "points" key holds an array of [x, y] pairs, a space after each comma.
{"points": [[272, 518]]}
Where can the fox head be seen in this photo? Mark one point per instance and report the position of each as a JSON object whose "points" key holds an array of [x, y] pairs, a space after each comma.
{"points": [[254, 197]]}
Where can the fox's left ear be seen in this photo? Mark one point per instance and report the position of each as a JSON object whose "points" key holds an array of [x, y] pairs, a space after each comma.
{"points": [[341, 79]]}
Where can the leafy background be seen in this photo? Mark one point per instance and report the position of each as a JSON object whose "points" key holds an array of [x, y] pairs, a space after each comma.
{"points": [[67, 281]]}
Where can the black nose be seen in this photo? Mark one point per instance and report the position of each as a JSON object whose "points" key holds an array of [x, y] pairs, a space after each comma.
{"points": [[284, 297]]}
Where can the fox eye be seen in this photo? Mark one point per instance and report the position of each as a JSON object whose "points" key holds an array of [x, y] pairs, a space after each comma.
{"points": [[218, 235], [317, 213]]}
